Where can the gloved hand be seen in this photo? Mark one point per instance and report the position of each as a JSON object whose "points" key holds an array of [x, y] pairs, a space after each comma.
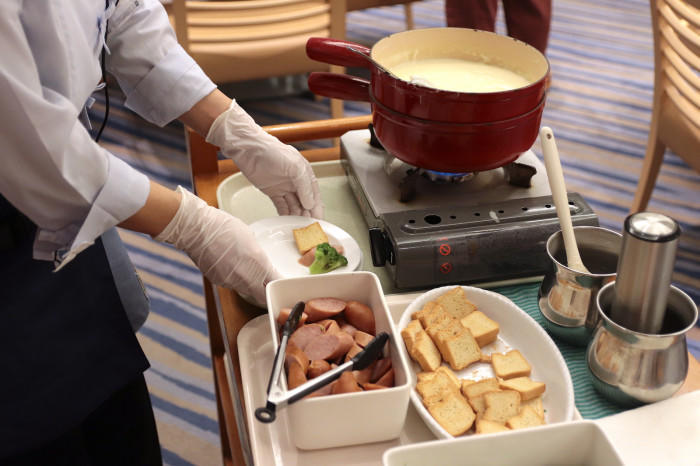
{"points": [[277, 169], [222, 246]]}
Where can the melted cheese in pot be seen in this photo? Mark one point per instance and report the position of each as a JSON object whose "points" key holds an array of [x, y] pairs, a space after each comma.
{"points": [[453, 74]]}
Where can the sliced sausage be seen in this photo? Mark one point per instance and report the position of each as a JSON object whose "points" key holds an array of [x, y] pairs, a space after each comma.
{"points": [[387, 379], [346, 383], [362, 338], [329, 325], [352, 352], [284, 315], [304, 334], [380, 368], [329, 346], [309, 256], [371, 386], [359, 316], [323, 308], [294, 353], [295, 376], [363, 375], [317, 367]]}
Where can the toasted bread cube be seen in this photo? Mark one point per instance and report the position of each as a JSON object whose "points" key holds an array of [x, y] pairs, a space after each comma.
{"points": [[436, 317], [425, 352], [527, 418], [447, 371], [409, 334], [449, 324], [458, 350], [509, 365], [485, 330], [502, 405], [474, 393], [527, 387], [536, 404], [440, 382], [442, 369], [480, 387], [427, 307], [484, 426], [485, 358], [453, 413], [309, 237], [456, 303]]}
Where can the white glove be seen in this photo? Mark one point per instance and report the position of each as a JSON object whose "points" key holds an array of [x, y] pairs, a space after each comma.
{"points": [[277, 169], [222, 246]]}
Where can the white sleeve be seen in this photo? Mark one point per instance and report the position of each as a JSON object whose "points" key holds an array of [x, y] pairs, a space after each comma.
{"points": [[160, 80], [52, 170]]}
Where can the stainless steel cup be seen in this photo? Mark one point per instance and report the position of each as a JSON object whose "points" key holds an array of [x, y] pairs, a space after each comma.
{"points": [[566, 297], [633, 368]]}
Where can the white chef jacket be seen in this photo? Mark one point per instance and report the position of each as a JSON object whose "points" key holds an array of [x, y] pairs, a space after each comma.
{"points": [[52, 171]]}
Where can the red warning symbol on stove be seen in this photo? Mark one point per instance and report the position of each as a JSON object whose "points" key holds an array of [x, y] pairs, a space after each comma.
{"points": [[445, 249], [445, 267]]}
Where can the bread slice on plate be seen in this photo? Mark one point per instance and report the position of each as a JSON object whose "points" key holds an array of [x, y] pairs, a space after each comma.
{"points": [[502, 405], [309, 237], [527, 387], [456, 303], [453, 413], [527, 418], [485, 330], [509, 365]]}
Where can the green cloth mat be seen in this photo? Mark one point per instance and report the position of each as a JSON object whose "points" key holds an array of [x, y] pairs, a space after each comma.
{"points": [[589, 402]]}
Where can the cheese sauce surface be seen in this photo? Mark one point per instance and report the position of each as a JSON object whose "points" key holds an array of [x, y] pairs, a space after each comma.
{"points": [[454, 74]]}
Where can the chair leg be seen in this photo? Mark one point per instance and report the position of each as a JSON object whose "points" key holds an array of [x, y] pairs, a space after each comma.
{"points": [[408, 12], [647, 178]]}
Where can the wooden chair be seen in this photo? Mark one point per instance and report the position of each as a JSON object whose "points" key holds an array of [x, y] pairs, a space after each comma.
{"points": [[223, 323], [243, 40], [675, 120]]}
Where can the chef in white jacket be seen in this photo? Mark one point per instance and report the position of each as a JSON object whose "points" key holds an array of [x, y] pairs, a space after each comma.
{"points": [[73, 389]]}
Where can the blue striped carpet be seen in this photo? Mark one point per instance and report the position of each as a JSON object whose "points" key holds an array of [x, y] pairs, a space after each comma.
{"points": [[598, 106]]}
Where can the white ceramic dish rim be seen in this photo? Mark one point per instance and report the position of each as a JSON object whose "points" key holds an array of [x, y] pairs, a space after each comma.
{"points": [[519, 314]]}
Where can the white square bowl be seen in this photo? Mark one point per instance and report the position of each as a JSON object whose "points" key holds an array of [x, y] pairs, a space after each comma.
{"points": [[348, 418], [570, 443]]}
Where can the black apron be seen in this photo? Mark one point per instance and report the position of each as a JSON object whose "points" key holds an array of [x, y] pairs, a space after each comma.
{"points": [[66, 343]]}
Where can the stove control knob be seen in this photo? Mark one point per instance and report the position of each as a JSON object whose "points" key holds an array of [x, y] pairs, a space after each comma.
{"points": [[380, 247]]}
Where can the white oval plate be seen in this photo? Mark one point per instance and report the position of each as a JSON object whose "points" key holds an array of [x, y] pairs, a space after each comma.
{"points": [[517, 331], [275, 236]]}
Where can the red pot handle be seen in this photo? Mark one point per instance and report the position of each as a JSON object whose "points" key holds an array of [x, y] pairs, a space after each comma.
{"points": [[339, 86], [337, 52]]}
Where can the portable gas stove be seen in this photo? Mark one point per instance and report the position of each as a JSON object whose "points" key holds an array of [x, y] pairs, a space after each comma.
{"points": [[431, 228]]}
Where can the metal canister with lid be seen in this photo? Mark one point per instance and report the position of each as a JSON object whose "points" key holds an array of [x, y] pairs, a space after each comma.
{"points": [[644, 269]]}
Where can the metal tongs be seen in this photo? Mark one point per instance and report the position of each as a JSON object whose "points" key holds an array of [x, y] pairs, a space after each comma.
{"points": [[276, 397]]}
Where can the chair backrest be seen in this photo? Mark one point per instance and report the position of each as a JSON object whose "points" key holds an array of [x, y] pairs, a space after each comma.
{"points": [[676, 26], [251, 39]]}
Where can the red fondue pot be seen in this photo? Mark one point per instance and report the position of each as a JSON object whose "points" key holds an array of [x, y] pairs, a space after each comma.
{"points": [[437, 145], [428, 103]]}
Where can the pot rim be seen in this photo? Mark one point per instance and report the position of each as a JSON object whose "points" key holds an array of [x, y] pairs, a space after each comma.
{"points": [[624, 330], [579, 227], [384, 70]]}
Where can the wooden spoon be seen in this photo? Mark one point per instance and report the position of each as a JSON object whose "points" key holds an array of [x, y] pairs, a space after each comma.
{"points": [[561, 202]]}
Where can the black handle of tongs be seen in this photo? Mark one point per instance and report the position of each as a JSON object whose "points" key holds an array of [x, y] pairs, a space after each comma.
{"points": [[267, 413]]}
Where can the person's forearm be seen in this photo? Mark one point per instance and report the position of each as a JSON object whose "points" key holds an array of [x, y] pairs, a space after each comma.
{"points": [[162, 203], [202, 115], [154, 216]]}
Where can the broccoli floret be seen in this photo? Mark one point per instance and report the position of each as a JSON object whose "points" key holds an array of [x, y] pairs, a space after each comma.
{"points": [[326, 259]]}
